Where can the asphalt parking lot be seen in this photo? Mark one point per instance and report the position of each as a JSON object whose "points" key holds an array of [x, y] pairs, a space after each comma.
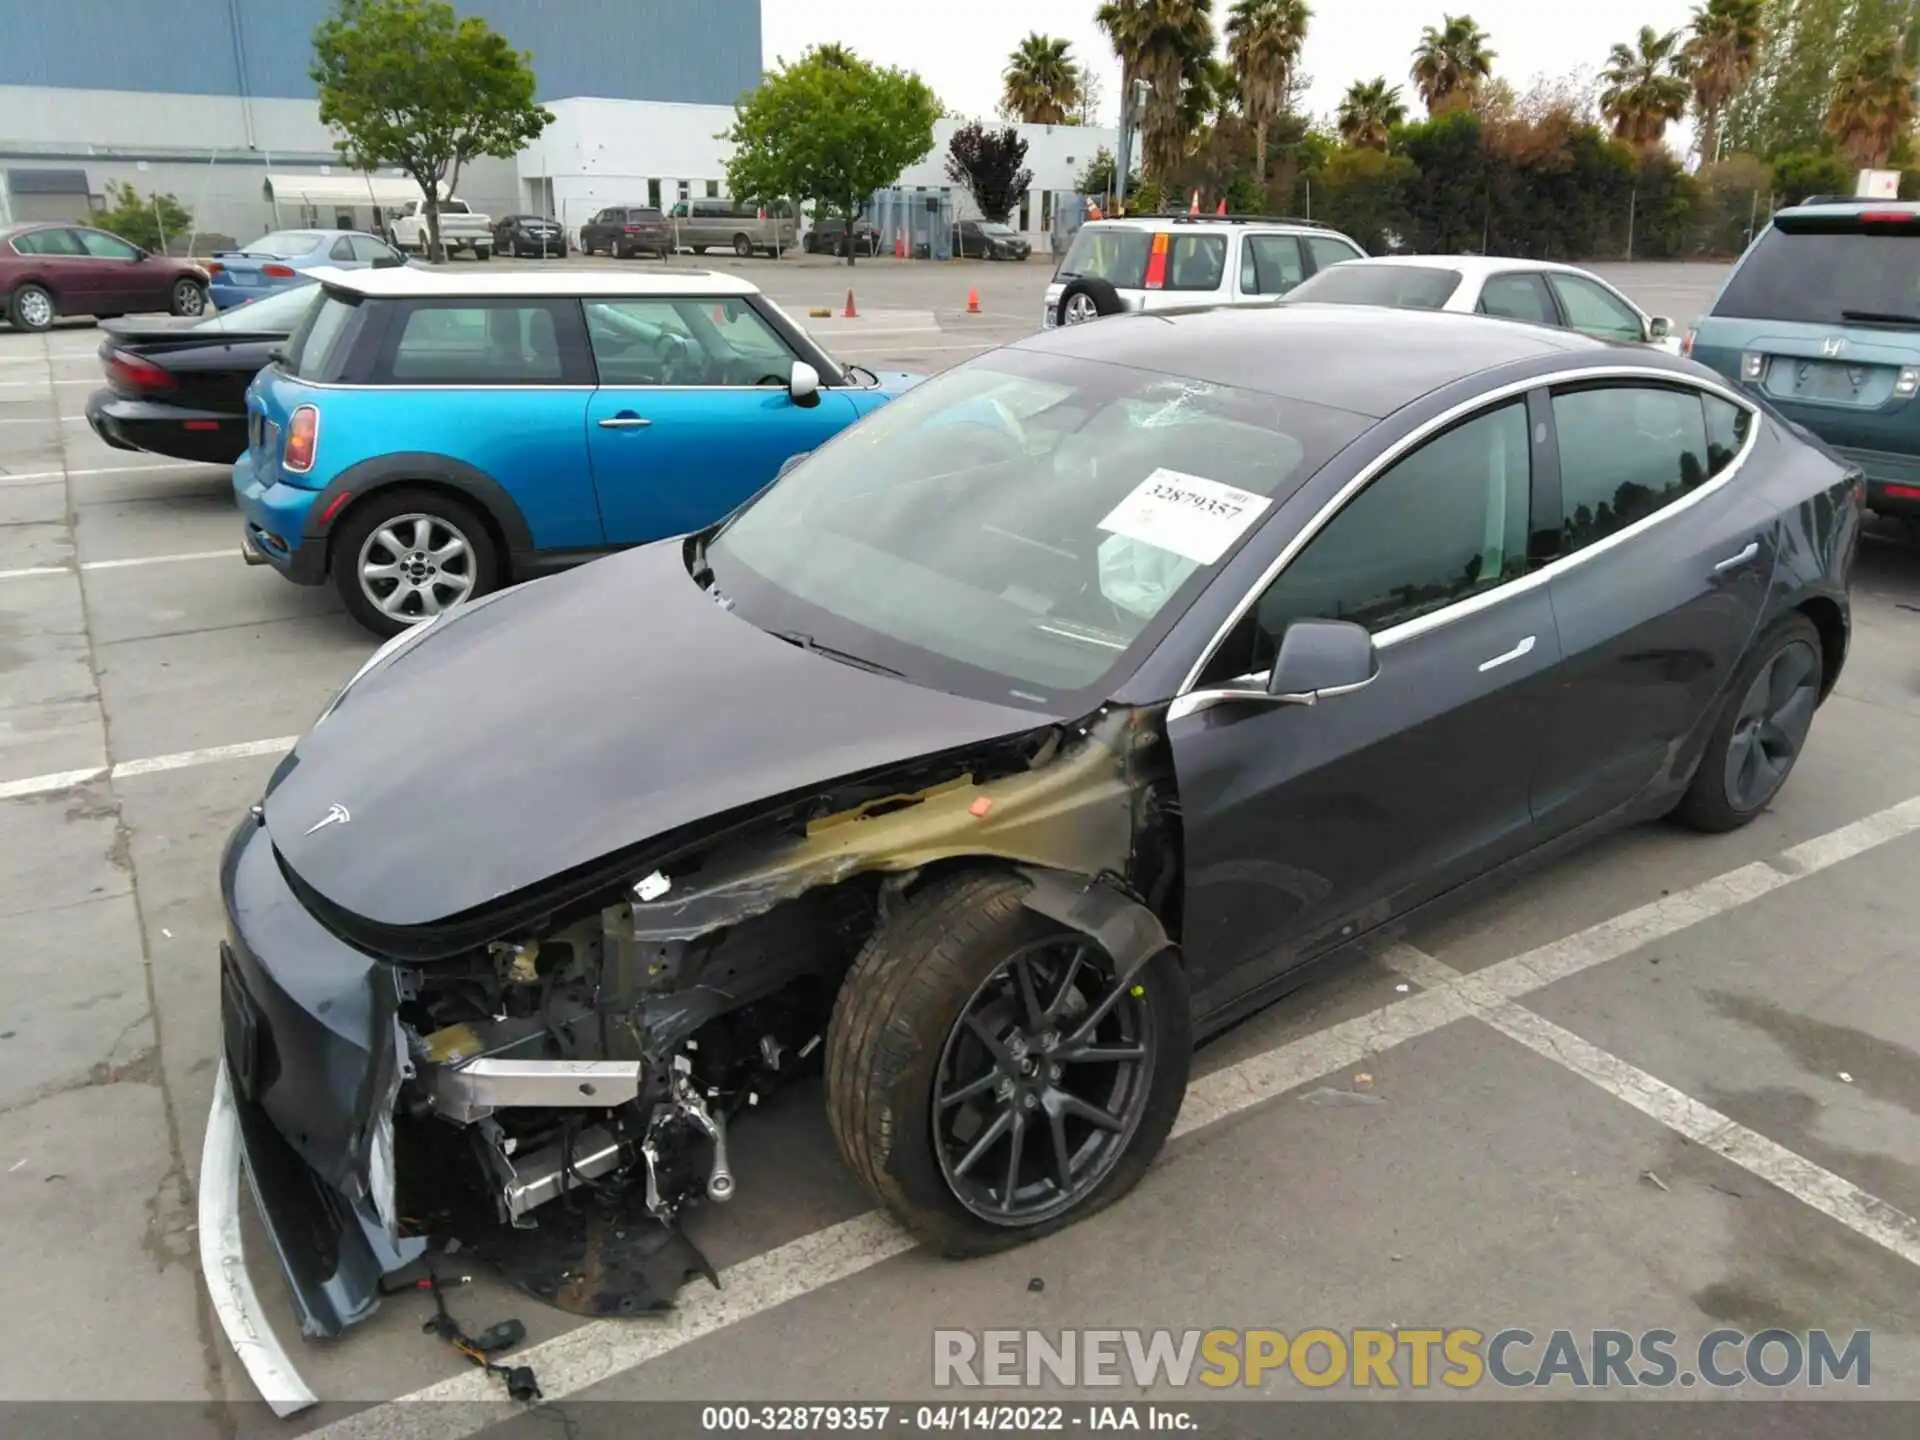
{"points": [[1671, 1082]]}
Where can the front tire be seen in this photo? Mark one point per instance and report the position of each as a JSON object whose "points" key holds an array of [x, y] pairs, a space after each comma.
{"points": [[189, 297], [743, 247], [965, 1084], [407, 555], [482, 252], [1760, 732], [31, 308]]}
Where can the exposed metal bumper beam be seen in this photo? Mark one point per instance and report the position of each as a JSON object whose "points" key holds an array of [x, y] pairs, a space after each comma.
{"points": [[223, 1262], [472, 1091]]}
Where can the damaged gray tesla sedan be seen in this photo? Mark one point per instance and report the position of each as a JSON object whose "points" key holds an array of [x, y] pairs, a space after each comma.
{"points": [[1051, 718]]}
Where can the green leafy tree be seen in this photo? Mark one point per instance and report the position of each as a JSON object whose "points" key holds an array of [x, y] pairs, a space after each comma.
{"points": [[1873, 104], [1644, 90], [1451, 63], [1800, 173], [1264, 39], [1783, 105], [1042, 81], [1100, 174], [989, 164], [1363, 192], [1368, 112], [1722, 47], [830, 128], [410, 84], [149, 221], [1168, 44]]}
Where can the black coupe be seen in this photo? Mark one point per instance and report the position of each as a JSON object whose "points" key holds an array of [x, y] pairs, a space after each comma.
{"points": [[1044, 722], [179, 387]]}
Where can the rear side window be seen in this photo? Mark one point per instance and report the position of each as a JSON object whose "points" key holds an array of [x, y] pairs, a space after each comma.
{"points": [[1117, 256], [1401, 287], [319, 347], [1270, 265], [1728, 425], [1518, 296], [1828, 276], [1196, 262], [48, 242], [1626, 452], [511, 342], [1327, 251]]}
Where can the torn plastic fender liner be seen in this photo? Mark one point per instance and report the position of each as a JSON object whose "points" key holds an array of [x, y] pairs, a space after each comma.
{"points": [[1125, 929]]}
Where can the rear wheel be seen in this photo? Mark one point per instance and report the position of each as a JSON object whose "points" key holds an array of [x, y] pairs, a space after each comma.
{"points": [[1758, 738], [990, 1078], [31, 308], [188, 297], [407, 555]]}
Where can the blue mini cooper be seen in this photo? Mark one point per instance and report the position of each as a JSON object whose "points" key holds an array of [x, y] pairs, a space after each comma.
{"points": [[426, 437]]}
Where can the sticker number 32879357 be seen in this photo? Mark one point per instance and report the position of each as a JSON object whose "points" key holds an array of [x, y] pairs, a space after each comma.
{"points": [[1193, 517]]}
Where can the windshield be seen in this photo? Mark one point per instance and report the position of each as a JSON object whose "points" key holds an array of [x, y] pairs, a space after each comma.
{"points": [[277, 314], [1399, 287], [1829, 277], [1010, 529], [1115, 254], [282, 244]]}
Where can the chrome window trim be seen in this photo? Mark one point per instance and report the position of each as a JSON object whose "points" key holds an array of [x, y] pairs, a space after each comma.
{"points": [[1473, 604]]}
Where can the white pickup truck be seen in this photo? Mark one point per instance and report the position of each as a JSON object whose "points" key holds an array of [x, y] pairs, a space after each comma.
{"points": [[461, 228]]}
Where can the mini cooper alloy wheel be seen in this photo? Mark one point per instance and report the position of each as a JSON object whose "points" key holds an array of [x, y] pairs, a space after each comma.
{"points": [[414, 566]]}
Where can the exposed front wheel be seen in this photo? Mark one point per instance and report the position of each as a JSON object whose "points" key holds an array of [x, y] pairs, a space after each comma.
{"points": [[407, 555], [189, 297], [31, 308], [1759, 736], [990, 1078]]}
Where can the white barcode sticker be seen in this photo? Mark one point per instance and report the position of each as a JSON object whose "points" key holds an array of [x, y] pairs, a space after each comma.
{"points": [[1188, 515]]}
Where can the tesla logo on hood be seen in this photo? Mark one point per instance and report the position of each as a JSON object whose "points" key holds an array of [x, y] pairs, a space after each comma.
{"points": [[336, 815], [1832, 346]]}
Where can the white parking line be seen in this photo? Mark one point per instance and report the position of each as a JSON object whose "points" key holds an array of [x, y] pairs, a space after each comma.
{"points": [[47, 477], [232, 552], [595, 1352], [152, 765], [1812, 1185]]}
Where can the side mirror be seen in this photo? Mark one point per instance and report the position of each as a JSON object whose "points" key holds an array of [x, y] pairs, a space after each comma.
{"points": [[1659, 328], [140, 252], [1319, 659], [803, 385]]}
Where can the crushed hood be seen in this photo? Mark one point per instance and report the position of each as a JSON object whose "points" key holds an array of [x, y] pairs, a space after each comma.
{"points": [[574, 717]]}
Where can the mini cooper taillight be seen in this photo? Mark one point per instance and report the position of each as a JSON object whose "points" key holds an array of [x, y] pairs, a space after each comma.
{"points": [[303, 434]]}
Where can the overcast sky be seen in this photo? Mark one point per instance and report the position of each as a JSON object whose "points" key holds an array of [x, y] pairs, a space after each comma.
{"points": [[960, 48]]}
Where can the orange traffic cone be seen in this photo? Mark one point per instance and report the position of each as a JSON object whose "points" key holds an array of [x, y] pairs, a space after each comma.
{"points": [[850, 313], [1193, 205], [719, 313], [973, 301], [1222, 207]]}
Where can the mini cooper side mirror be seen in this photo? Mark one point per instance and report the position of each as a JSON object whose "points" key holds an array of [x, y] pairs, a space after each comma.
{"points": [[803, 385], [1320, 659]]}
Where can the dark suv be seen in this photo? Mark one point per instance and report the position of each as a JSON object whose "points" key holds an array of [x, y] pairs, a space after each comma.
{"points": [[627, 230], [1822, 317], [829, 237]]}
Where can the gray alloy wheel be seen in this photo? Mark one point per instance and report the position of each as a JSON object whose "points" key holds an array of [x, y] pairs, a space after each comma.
{"points": [[414, 566], [188, 298], [32, 308], [1080, 309], [1771, 725]]}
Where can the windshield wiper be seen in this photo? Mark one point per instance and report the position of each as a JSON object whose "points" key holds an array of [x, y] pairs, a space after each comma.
{"points": [[1880, 317], [808, 643]]}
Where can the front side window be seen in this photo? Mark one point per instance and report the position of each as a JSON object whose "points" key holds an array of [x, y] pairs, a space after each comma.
{"points": [[514, 342], [1626, 451], [685, 342], [1196, 262], [1328, 252], [1012, 528], [1442, 525], [1594, 310], [103, 246], [369, 249], [1518, 296], [1270, 265], [342, 249]]}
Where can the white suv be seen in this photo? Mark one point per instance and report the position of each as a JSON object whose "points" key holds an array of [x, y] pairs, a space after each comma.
{"points": [[1156, 262]]}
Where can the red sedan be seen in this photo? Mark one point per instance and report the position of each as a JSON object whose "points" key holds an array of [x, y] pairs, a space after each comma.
{"points": [[50, 270]]}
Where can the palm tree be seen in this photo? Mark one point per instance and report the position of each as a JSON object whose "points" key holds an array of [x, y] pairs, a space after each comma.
{"points": [[1042, 81], [1873, 102], [1368, 112], [1723, 46], [1263, 44], [1165, 43], [1644, 90], [1451, 63]]}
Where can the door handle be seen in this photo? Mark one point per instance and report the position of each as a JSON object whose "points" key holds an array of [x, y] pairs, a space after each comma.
{"points": [[1734, 562], [1525, 647], [624, 421]]}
